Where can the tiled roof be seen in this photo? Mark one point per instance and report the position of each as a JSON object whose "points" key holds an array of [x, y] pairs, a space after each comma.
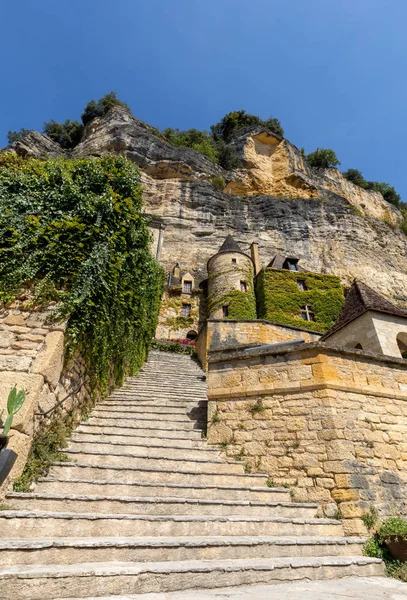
{"points": [[359, 300], [229, 245], [278, 262]]}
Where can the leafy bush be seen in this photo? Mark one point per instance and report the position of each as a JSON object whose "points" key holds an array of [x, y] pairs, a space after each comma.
{"points": [[15, 136], [229, 158], [101, 107], [386, 190], [68, 134], [193, 138], [78, 224], [178, 347], [393, 526], [218, 182], [240, 118], [355, 177], [323, 158]]}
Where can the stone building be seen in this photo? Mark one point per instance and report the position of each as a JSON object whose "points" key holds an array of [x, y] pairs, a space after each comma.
{"points": [[370, 322], [235, 288]]}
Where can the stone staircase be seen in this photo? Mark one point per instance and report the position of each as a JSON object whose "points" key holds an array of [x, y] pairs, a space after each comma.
{"points": [[145, 506]]}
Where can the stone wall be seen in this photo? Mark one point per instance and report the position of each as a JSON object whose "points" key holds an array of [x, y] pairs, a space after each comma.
{"points": [[229, 333], [32, 358], [329, 422]]}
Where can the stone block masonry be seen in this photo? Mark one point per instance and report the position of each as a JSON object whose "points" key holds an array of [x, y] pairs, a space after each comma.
{"points": [[32, 358], [329, 422]]}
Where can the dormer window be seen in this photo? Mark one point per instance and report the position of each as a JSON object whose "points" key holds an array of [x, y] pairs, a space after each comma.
{"points": [[187, 287], [301, 285], [307, 313], [291, 264], [243, 286], [186, 310]]}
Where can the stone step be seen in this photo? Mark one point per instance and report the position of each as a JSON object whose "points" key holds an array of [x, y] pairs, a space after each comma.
{"points": [[34, 524], [179, 433], [142, 549], [156, 396], [154, 447], [116, 457], [161, 489], [101, 579], [180, 425], [186, 444], [142, 408], [182, 406], [134, 475], [150, 413], [155, 506]]}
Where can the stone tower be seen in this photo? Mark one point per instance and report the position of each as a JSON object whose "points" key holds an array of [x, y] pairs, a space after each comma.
{"points": [[230, 283]]}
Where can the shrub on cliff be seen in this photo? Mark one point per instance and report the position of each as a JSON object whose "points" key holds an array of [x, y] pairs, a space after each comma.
{"points": [[15, 136], [240, 118], [323, 158], [74, 231], [101, 107], [386, 190], [193, 138], [68, 134]]}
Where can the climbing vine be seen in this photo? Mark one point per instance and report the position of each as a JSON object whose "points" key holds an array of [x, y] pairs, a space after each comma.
{"points": [[280, 299], [73, 232]]}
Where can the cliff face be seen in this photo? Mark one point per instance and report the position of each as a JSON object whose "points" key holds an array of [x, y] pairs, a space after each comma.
{"points": [[332, 225]]}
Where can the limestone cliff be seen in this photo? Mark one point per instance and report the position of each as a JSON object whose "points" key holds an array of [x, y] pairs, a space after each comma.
{"points": [[332, 225]]}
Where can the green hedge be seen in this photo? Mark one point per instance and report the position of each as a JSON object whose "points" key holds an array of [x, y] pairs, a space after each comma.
{"points": [[279, 298], [73, 231]]}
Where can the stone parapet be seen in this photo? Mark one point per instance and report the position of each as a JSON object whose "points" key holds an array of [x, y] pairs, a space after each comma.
{"points": [[330, 422]]}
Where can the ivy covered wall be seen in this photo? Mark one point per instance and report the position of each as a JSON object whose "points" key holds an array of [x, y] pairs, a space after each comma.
{"points": [[73, 233], [280, 299]]}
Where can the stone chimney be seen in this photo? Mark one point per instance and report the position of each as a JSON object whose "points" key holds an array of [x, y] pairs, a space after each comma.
{"points": [[254, 252], [176, 271]]}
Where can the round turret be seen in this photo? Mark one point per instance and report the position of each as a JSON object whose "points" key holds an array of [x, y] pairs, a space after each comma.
{"points": [[230, 283]]}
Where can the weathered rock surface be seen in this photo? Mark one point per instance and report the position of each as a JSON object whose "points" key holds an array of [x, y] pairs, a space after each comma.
{"points": [[36, 145], [314, 214]]}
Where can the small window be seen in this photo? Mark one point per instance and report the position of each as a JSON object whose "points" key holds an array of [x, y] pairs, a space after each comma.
{"points": [[302, 285], [186, 310], [225, 310], [187, 287], [234, 261], [292, 265], [243, 286], [307, 313], [358, 347]]}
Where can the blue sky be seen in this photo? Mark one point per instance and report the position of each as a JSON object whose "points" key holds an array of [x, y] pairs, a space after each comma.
{"points": [[333, 71]]}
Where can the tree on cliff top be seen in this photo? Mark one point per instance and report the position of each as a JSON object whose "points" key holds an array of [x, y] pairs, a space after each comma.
{"points": [[386, 190], [68, 134], [240, 118], [101, 107], [323, 158]]}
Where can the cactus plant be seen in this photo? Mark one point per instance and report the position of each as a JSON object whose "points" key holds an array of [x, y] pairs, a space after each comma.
{"points": [[15, 401]]}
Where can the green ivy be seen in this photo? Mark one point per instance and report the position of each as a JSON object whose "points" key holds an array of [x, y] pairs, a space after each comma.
{"points": [[74, 231], [279, 298], [242, 305]]}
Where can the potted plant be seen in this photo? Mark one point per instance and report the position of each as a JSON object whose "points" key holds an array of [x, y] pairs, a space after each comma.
{"points": [[393, 532], [15, 401]]}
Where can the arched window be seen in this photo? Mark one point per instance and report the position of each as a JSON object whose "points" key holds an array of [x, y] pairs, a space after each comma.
{"points": [[358, 347], [192, 335], [402, 344]]}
